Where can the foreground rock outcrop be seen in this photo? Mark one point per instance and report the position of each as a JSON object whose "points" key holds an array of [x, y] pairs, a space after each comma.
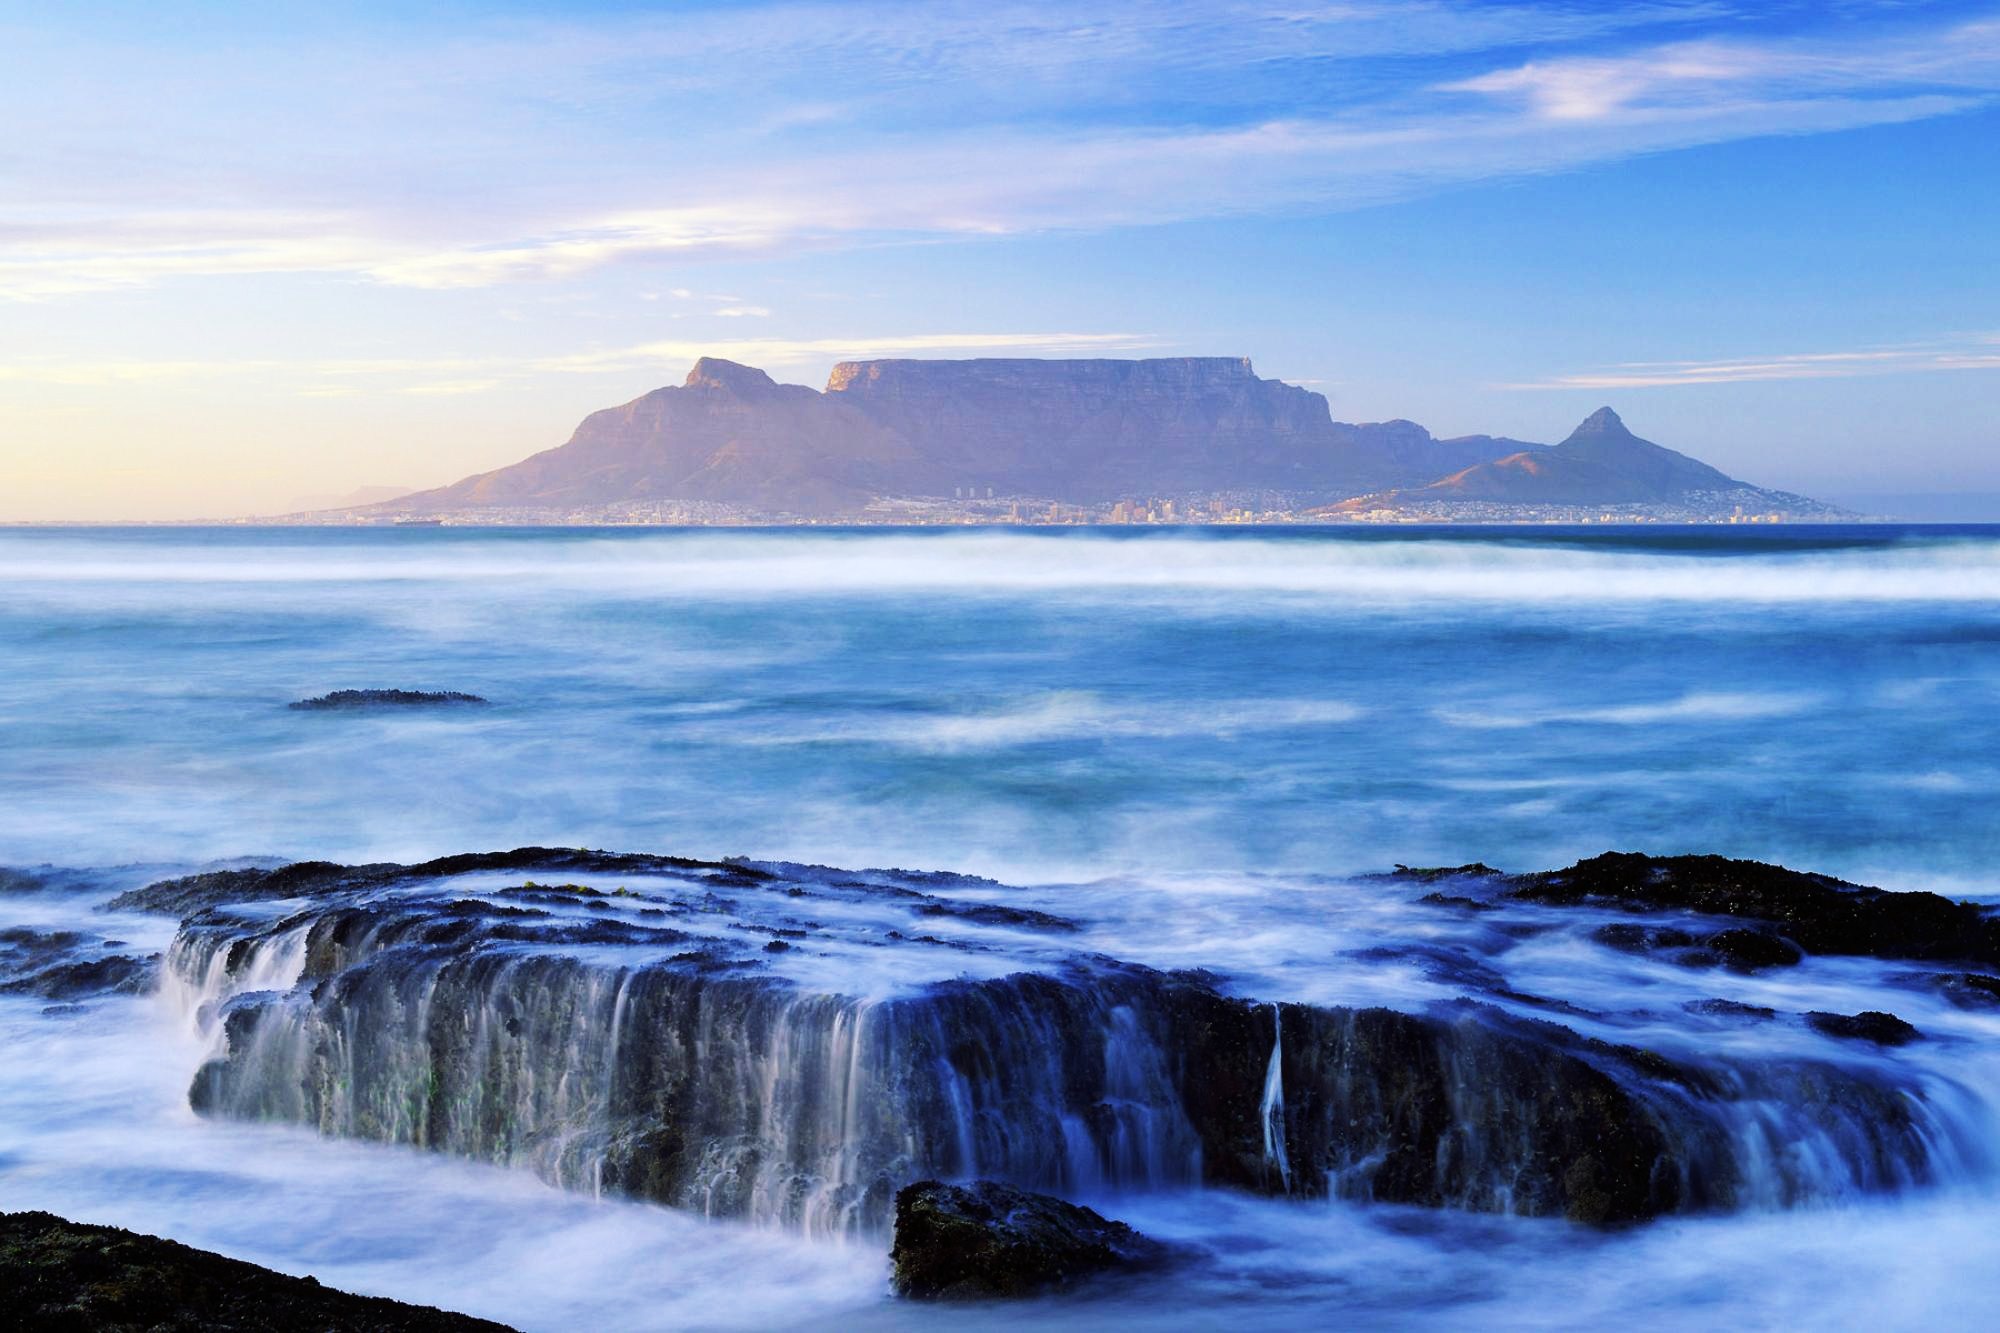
{"points": [[705, 1034], [61, 1275], [987, 1240]]}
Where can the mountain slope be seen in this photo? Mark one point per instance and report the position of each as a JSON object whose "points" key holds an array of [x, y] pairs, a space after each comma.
{"points": [[728, 435]]}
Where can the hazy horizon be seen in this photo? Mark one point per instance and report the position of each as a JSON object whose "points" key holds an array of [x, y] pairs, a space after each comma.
{"points": [[257, 254]]}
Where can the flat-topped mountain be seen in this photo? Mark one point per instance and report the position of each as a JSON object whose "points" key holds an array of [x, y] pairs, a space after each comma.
{"points": [[729, 435], [732, 442], [1079, 432]]}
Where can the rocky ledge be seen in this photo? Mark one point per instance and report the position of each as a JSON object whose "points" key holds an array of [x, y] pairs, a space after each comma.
{"points": [[70, 965], [56, 1274], [800, 1043], [1816, 913]]}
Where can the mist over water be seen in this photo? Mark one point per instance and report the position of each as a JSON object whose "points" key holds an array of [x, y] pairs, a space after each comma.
{"points": [[1189, 741], [1027, 705]]}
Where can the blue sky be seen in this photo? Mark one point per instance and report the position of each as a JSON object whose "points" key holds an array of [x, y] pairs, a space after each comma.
{"points": [[253, 253]]}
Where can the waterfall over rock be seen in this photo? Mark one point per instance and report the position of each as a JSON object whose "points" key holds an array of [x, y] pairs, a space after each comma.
{"points": [[676, 1037]]}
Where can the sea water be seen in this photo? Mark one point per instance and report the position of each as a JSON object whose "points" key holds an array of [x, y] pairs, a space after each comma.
{"points": [[1192, 739]]}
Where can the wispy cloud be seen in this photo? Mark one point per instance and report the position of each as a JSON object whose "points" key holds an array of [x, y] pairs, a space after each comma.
{"points": [[451, 388], [766, 352], [492, 158], [1978, 352], [1698, 73], [341, 377]]}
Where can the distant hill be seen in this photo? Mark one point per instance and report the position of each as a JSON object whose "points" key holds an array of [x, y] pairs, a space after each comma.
{"points": [[1079, 432], [1601, 464], [1404, 449]]}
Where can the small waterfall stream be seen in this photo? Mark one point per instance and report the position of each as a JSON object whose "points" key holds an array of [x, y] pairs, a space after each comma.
{"points": [[1271, 1112]]}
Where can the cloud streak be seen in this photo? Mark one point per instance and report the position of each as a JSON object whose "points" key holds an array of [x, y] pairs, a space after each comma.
{"points": [[962, 122], [1976, 353], [443, 376]]}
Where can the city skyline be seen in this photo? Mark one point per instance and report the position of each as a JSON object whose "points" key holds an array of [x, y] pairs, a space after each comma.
{"points": [[255, 255]]}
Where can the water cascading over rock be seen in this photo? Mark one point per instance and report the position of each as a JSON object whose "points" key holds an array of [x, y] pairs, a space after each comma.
{"points": [[678, 1038]]}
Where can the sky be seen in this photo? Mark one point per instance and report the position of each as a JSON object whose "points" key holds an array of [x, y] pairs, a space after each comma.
{"points": [[252, 255]]}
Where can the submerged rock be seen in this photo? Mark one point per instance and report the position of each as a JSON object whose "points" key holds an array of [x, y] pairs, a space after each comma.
{"points": [[1869, 1025], [350, 699], [1731, 1009], [1741, 949], [1746, 950], [56, 1274], [1967, 990], [68, 965], [189, 894], [987, 1240]]}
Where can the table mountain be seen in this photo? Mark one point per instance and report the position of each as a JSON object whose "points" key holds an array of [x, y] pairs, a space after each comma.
{"points": [[1080, 432]]}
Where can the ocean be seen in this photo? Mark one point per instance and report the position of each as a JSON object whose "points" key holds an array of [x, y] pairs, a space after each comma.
{"points": [[1196, 741]]}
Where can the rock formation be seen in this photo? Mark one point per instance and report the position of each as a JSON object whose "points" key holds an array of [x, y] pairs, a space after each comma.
{"points": [[987, 1240], [682, 1031], [56, 1274]]}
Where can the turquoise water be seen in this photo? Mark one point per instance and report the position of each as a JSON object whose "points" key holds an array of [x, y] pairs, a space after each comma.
{"points": [[1028, 704]]}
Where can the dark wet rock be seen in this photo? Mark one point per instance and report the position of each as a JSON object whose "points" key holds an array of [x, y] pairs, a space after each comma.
{"points": [[1547, 1002], [1452, 967], [358, 699], [191, 893], [1731, 1009], [1967, 990], [1458, 901], [115, 974], [1441, 874], [1634, 937], [997, 914], [1741, 949], [68, 965], [1589, 1149], [991, 1241], [61, 1275], [1820, 914], [1868, 1025], [1745, 950]]}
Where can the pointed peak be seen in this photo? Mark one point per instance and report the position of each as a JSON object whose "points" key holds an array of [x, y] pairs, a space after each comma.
{"points": [[1601, 422], [712, 372]]}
